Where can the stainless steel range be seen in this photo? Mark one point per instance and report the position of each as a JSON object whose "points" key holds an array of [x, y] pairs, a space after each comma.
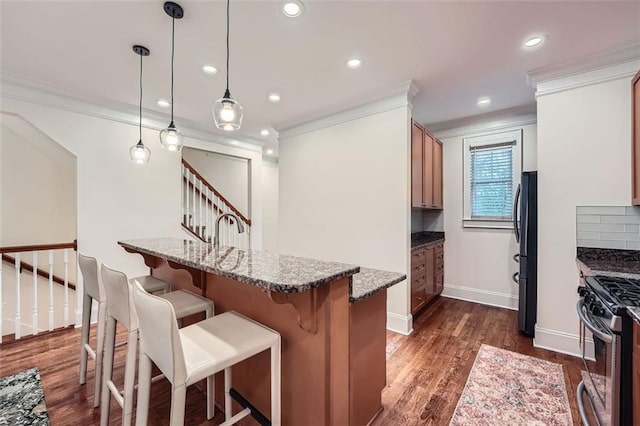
{"points": [[607, 380]]}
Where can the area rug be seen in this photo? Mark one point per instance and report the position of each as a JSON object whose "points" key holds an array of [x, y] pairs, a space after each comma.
{"points": [[22, 399], [507, 388]]}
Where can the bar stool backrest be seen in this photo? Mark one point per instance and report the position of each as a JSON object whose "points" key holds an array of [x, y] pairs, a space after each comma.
{"points": [[91, 282], [159, 336], [119, 302]]}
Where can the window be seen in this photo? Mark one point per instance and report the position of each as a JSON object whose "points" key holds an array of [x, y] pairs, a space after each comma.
{"points": [[491, 174]]}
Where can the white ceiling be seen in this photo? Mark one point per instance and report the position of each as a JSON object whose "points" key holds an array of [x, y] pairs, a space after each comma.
{"points": [[454, 51]]}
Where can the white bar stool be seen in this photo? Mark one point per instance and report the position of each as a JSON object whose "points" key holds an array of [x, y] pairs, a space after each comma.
{"points": [[152, 284], [200, 350], [120, 309], [93, 290]]}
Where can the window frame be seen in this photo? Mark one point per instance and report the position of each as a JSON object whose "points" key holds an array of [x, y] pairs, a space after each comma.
{"points": [[487, 140]]}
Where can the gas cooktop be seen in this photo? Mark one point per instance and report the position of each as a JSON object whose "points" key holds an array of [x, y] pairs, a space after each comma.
{"points": [[619, 293]]}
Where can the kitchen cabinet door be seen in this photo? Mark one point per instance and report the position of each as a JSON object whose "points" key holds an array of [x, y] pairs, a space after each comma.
{"points": [[635, 144], [437, 174], [427, 173], [430, 286], [417, 167]]}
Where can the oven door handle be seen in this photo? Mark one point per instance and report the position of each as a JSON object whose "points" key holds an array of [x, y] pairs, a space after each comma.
{"points": [[582, 389], [607, 338]]}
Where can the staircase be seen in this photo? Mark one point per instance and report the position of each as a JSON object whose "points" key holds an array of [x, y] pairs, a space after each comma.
{"points": [[202, 205]]}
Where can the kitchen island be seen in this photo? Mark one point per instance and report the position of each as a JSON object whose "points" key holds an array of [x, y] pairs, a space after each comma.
{"points": [[332, 320]]}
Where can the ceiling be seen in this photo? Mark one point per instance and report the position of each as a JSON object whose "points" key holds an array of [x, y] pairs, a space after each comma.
{"points": [[455, 52]]}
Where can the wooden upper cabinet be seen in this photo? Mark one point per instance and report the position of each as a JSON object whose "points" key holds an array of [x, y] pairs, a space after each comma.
{"points": [[426, 169], [417, 146], [437, 174], [635, 136]]}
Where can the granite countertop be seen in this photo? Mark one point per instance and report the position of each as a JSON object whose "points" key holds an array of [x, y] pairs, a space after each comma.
{"points": [[368, 282], [635, 313], [423, 239], [278, 273], [610, 262]]}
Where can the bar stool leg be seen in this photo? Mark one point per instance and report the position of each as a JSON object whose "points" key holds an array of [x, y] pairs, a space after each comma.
{"points": [[86, 323], [228, 408], [102, 313], [129, 377], [276, 416], [178, 400], [211, 397], [144, 390], [110, 343]]}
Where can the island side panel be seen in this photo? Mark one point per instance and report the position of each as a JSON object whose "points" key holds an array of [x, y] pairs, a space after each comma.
{"points": [[315, 333], [368, 357]]}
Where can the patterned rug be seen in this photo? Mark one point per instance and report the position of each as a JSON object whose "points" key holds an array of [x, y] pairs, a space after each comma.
{"points": [[506, 388], [22, 400]]}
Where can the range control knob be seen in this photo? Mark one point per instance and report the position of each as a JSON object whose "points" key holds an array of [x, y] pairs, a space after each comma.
{"points": [[598, 311], [582, 291], [588, 298]]}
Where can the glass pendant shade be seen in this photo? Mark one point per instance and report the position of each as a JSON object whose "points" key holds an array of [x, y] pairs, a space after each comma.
{"points": [[171, 138], [140, 153], [227, 113]]}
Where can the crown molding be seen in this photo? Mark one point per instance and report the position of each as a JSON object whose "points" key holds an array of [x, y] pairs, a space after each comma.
{"points": [[40, 93], [489, 122], [381, 101], [599, 68]]}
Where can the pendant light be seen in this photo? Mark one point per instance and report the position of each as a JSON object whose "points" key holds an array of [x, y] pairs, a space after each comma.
{"points": [[171, 137], [140, 153], [226, 111]]}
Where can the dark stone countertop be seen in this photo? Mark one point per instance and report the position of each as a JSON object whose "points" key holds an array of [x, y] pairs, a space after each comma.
{"points": [[368, 282], [610, 262], [424, 239], [278, 273]]}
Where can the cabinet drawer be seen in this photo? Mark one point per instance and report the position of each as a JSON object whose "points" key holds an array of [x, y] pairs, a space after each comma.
{"points": [[418, 282], [418, 299], [418, 256], [419, 269]]}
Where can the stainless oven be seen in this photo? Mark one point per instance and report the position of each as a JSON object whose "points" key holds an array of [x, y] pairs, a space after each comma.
{"points": [[601, 378]]}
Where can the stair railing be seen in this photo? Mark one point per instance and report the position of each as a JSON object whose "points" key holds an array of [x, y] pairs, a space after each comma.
{"points": [[18, 258], [202, 204]]}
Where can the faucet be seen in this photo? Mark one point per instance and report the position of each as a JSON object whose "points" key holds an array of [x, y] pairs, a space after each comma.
{"points": [[216, 238]]}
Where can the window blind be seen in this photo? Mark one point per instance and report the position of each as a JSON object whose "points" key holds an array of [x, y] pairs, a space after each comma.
{"points": [[491, 186]]}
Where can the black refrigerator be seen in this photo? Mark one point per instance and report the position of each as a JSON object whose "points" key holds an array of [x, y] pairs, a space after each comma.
{"points": [[525, 228]]}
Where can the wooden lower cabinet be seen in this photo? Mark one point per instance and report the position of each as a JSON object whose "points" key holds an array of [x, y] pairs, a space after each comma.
{"points": [[427, 275], [636, 373]]}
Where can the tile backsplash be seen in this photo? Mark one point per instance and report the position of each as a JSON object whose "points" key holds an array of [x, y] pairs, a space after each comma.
{"points": [[608, 227], [427, 220]]}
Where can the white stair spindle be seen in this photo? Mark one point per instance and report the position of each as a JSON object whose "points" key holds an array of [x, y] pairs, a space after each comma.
{"points": [[18, 320], [50, 290], [186, 195], [193, 197], [206, 213], [182, 191], [66, 287], [34, 324], [200, 221]]}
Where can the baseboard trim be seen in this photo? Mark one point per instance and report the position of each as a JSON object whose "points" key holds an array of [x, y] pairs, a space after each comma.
{"points": [[559, 341], [399, 323], [484, 297]]}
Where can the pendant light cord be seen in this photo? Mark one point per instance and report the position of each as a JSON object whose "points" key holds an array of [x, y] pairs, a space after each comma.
{"points": [[173, 37], [140, 103], [227, 46]]}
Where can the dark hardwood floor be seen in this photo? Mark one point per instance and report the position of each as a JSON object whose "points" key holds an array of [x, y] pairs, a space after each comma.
{"points": [[425, 373]]}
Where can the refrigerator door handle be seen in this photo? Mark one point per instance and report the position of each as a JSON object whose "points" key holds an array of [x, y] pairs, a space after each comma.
{"points": [[516, 231], [516, 278]]}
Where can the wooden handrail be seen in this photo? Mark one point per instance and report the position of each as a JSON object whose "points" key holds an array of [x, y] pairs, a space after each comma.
{"points": [[39, 247], [194, 233], [40, 272], [219, 195]]}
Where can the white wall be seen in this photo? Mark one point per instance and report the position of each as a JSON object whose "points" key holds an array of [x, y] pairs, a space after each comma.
{"points": [[478, 262], [229, 175], [584, 138], [117, 199], [270, 178], [344, 196]]}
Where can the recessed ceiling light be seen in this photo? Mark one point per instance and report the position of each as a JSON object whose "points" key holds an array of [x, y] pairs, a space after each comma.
{"points": [[163, 103], [483, 102], [534, 41], [269, 151], [354, 63], [234, 142], [292, 9], [209, 69], [264, 132], [274, 98]]}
